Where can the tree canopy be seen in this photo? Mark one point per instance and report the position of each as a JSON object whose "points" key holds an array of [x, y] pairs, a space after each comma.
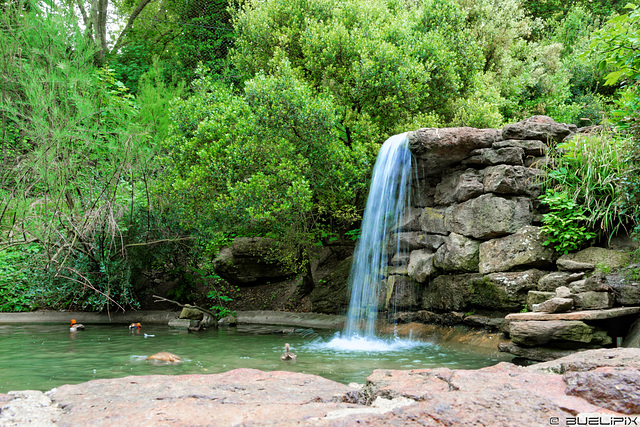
{"points": [[145, 133]]}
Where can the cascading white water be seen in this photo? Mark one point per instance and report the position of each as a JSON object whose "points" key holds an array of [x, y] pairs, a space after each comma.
{"points": [[388, 198]]}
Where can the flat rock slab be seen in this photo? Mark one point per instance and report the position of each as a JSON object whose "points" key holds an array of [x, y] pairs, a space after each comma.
{"points": [[238, 397], [261, 317], [592, 359], [504, 395], [576, 315]]}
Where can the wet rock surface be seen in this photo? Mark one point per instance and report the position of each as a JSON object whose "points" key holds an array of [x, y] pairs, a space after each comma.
{"points": [[601, 382]]}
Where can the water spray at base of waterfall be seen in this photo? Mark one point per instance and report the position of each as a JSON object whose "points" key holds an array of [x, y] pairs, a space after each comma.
{"points": [[356, 343]]}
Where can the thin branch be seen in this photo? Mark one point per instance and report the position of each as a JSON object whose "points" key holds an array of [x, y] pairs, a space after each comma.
{"points": [[204, 310], [158, 241], [88, 284], [132, 17]]}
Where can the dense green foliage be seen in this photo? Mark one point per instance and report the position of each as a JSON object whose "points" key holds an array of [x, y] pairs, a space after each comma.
{"points": [[71, 182], [617, 44], [121, 155], [386, 64], [589, 171], [266, 162], [565, 223]]}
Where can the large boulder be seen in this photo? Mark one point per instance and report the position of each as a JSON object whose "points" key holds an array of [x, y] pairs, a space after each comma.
{"points": [[593, 300], [439, 149], [626, 292], [505, 291], [421, 265], [459, 186], [523, 249], [458, 253], [489, 216], [539, 332], [492, 156], [515, 180], [432, 220], [449, 292], [531, 147], [597, 257], [249, 261], [541, 128], [556, 279], [412, 240]]}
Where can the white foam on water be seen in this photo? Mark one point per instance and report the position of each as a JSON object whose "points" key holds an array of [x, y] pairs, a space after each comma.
{"points": [[358, 343]]}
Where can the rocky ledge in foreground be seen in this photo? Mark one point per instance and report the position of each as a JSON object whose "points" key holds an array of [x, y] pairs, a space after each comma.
{"points": [[597, 383]]}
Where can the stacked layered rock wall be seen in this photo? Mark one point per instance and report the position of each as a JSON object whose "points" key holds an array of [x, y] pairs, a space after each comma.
{"points": [[472, 237], [475, 248]]}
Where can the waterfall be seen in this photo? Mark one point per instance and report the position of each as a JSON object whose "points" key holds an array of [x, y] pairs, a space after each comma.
{"points": [[388, 196]]}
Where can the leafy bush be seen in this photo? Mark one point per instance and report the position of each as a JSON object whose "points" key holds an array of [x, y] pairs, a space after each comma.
{"points": [[82, 166], [382, 62], [266, 163], [585, 176], [481, 109], [15, 276], [564, 224], [617, 45]]}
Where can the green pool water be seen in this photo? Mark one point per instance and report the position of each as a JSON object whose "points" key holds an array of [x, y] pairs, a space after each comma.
{"points": [[41, 357]]}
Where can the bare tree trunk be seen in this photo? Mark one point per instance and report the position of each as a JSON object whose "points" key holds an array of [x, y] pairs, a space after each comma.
{"points": [[99, 24], [141, 5]]}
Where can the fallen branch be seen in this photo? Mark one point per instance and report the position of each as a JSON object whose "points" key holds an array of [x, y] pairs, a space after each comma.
{"points": [[159, 241], [204, 310]]}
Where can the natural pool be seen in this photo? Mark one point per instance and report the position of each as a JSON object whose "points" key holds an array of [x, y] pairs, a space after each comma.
{"points": [[41, 357]]}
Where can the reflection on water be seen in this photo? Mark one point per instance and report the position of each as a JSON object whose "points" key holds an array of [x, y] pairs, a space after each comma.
{"points": [[41, 357]]}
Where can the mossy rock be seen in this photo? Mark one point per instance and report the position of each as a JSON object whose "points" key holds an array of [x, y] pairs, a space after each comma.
{"points": [[485, 293], [601, 258], [191, 313]]}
